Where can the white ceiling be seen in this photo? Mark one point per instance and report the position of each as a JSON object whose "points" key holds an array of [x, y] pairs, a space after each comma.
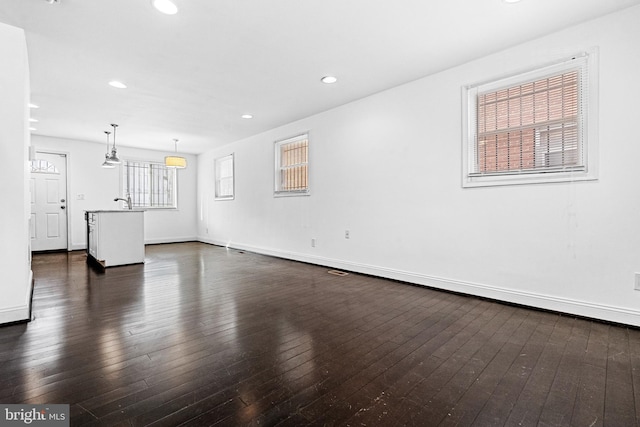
{"points": [[192, 75]]}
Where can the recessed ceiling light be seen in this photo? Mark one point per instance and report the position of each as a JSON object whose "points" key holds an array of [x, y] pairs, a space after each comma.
{"points": [[117, 84], [165, 6], [32, 129], [33, 106], [247, 116], [329, 79], [32, 120]]}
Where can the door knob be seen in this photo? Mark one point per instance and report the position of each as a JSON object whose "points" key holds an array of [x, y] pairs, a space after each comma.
{"points": [[62, 200], [63, 207]]}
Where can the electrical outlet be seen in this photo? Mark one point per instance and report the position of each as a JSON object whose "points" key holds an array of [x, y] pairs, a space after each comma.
{"points": [[346, 234], [637, 285]]}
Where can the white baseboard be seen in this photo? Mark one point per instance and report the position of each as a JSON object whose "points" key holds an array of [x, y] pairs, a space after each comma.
{"points": [[542, 301], [83, 247], [170, 240], [22, 312]]}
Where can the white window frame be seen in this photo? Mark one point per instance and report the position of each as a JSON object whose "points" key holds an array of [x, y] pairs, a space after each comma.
{"points": [[172, 175], [43, 166], [587, 65], [278, 189], [218, 169]]}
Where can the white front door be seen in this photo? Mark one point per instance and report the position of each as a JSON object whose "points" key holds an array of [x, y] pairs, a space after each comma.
{"points": [[49, 202]]}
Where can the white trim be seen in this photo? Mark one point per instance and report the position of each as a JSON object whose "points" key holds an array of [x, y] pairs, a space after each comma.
{"points": [[588, 62], [14, 314], [69, 204], [122, 183], [161, 240], [19, 313], [547, 302], [156, 241], [277, 160], [216, 177]]}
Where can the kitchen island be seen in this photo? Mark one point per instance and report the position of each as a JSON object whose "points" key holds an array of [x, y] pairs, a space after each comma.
{"points": [[115, 237]]}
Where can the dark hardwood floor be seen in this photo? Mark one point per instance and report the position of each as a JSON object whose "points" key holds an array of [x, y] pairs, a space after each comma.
{"points": [[201, 335]]}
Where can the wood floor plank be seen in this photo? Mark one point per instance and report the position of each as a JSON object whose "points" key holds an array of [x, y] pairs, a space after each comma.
{"points": [[619, 407], [503, 399], [456, 374], [533, 396], [559, 406], [204, 335], [634, 354]]}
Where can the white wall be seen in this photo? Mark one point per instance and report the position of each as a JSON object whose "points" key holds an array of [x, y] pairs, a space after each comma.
{"points": [[98, 187], [15, 262], [387, 168]]}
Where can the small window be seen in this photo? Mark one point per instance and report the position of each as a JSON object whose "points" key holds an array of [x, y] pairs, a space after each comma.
{"points": [[532, 127], [292, 166], [149, 184], [224, 177], [43, 166]]}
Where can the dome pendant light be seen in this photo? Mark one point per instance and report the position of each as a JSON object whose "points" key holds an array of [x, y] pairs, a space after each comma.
{"points": [[106, 163], [175, 161], [113, 158]]}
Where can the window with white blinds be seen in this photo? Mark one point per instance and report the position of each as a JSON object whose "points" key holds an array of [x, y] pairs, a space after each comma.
{"points": [[531, 127], [292, 166], [150, 185], [224, 177]]}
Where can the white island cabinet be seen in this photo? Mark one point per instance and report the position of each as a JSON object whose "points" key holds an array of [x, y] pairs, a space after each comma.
{"points": [[115, 237]]}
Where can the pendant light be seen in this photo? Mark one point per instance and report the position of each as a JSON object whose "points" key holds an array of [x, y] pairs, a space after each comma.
{"points": [[113, 158], [175, 161], [106, 163]]}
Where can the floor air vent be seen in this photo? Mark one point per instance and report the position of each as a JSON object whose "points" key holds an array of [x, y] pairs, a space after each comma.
{"points": [[338, 273]]}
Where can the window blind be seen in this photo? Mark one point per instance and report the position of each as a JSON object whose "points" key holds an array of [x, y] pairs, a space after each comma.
{"points": [[292, 163], [532, 126]]}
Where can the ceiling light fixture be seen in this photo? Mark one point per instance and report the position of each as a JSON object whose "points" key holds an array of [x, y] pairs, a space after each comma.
{"points": [[106, 163], [329, 79], [113, 158], [32, 120], [175, 161], [33, 106], [32, 129], [117, 84], [165, 6], [247, 116]]}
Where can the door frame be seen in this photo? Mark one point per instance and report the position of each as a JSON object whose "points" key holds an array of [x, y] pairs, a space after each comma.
{"points": [[67, 185]]}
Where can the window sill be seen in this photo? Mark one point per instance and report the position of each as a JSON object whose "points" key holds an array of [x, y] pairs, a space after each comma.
{"points": [[538, 178], [291, 193]]}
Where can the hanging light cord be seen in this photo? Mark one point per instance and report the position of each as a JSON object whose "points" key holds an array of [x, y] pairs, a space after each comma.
{"points": [[114, 134], [108, 133]]}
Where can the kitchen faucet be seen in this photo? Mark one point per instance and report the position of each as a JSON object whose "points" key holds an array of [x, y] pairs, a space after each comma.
{"points": [[128, 200]]}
